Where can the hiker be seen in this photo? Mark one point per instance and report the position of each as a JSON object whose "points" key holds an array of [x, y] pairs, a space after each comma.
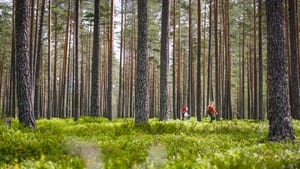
{"points": [[211, 110], [185, 114]]}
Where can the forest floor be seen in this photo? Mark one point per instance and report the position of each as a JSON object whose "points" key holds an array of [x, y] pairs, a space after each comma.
{"points": [[97, 143]]}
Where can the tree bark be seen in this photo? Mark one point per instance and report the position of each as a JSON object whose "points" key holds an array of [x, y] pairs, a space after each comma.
{"points": [[95, 92], [142, 65], [164, 60], [24, 87], [278, 105]]}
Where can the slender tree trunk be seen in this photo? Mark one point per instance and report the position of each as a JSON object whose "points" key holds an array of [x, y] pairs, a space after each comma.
{"points": [[204, 64], [49, 101], [55, 110], [121, 61], [24, 89], [295, 95], [76, 112], [164, 60], [243, 68], [110, 57], [190, 64], [95, 95], [12, 90], [260, 66], [179, 89], [278, 105], [255, 112], [199, 108], [218, 96], [228, 108], [64, 67], [209, 97], [175, 114], [38, 65]]}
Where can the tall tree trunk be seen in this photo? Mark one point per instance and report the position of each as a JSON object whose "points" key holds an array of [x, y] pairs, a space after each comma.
{"points": [[218, 96], [295, 95], [199, 108], [209, 97], [55, 110], [12, 90], [260, 66], [164, 60], [95, 95], [38, 65], [243, 68], [179, 89], [133, 56], [110, 57], [204, 65], [121, 62], [142, 65], [76, 112], [49, 101], [227, 92], [175, 114], [190, 92], [278, 105], [255, 113], [64, 67], [24, 89]]}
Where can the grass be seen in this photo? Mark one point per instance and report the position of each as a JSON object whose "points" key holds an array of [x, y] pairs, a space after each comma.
{"points": [[98, 143]]}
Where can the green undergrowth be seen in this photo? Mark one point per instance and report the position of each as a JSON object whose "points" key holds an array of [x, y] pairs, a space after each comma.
{"points": [[98, 143]]}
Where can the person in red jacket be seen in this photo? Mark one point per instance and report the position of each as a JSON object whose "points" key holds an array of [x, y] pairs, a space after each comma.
{"points": [[185, 114], [211, 110]]}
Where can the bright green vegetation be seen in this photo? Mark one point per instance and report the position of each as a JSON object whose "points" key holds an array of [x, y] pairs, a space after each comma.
{"points": [[98, 143]]}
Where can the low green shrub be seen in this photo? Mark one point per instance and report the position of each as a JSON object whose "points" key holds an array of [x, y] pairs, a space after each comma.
{"points": [[98, 143]]}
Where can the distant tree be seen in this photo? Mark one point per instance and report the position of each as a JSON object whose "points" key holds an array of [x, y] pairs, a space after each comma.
{"points": [[24, 87], [76, 112], [38, 65], [109, 66], [49, 111], [179, 62], [142, 65], [255, 97], [175, 116], [95, 62], [164, 60], [260, 64], [12, 91], [209, 67], [217, 72], [119, 108], [278, 99], [198, 88], [55, 103], [64, 66]]}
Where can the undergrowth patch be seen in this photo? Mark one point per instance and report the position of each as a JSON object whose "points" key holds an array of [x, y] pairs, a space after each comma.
{"points": [[99, 143]]}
